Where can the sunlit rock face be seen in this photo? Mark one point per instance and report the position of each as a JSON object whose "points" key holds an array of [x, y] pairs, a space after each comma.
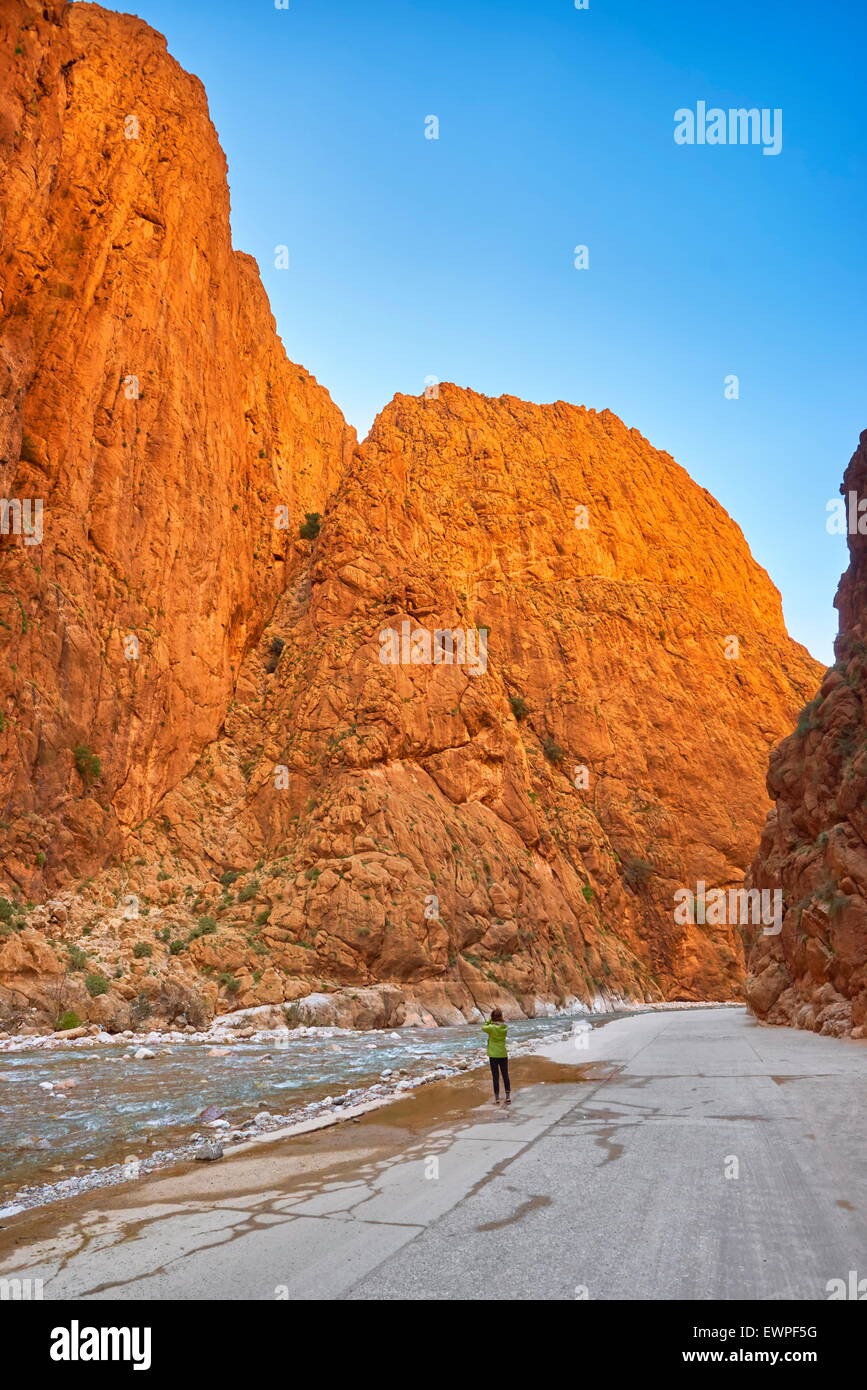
{"points": [[814, 847], [148, 407], [470, 734]]}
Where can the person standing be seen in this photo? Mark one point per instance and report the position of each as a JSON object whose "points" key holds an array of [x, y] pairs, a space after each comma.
{"points": [[498, 1057]]}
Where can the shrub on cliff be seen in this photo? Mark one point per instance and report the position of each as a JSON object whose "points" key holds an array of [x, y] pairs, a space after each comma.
{"points": [[553, 752], [520, 708], [310, 527], [87, 764], [206, 926], [69, 1019], [807, 720], [96, 984], [636, 871], [10, 917]]}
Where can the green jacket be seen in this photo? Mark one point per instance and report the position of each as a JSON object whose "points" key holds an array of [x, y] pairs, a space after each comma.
{"points": [[496, 1038]]}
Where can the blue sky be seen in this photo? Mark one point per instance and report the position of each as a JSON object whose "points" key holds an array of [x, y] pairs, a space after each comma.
{"points": [[453, 258]]}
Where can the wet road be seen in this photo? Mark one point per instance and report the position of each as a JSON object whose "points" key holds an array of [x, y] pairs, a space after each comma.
{"points": [[680, 1155]]}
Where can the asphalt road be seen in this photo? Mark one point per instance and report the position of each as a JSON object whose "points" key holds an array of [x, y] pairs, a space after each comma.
{"points": [[695, 1155]]}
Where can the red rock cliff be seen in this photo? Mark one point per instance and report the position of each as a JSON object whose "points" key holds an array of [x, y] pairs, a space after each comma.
{"points": [[260, 806], [147, 402], [814, 846], [422, 824]]}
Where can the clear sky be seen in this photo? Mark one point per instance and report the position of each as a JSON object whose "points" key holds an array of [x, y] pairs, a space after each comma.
{"points": [[454, 258]]}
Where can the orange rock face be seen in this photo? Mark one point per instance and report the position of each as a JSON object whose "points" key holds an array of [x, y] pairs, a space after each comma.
{"points": [[468, 738], [814, 846], [147, 404]]}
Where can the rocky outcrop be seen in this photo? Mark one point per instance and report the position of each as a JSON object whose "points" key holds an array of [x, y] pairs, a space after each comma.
{"points": [[813, 974], [293, 786], [147, 408]]}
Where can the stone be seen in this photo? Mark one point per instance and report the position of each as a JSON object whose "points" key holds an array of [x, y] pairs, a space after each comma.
{"points": [[208, 1153]]}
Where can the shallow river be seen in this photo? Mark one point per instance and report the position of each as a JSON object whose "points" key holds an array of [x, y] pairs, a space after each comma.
{"points": [[121, 1108]]}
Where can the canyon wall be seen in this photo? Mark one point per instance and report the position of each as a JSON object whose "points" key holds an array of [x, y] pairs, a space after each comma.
{"points": [[147, 406], [246, 805], [814, 846]]}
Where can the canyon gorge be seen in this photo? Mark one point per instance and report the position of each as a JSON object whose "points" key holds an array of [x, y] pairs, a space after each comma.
{"points": [[214, 793]]}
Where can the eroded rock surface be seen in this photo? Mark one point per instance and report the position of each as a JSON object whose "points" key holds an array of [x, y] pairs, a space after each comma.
{"points": [[147, 403], [814, 845]]}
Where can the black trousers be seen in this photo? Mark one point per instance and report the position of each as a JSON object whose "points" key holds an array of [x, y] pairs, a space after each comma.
{"points": [[500, 1065]]}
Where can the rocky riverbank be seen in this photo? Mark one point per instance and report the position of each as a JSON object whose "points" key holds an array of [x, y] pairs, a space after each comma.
{"points": [[102, 1110]]}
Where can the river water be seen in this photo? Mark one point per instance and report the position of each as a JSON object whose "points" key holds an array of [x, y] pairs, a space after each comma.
{"points": [[119, 1108]]}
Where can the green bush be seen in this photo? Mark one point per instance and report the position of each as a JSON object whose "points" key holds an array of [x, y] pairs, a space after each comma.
{"points": [[96, 984], [176, 947], [228, 878], [69, 1019], [206, 926], [87, 763], [310, 527], [248, 891], [77, 958], [553, 752], [230, 984], [520, 708], [141, 949], [807, 720], [636, 871], [8, 911]]}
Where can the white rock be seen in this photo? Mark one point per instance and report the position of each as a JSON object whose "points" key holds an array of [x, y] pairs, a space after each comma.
{"points": [[143, 1054], [46, 1086]]}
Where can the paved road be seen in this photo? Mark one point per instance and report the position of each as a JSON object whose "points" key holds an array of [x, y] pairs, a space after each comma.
{"points": [[616, 1184]]}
